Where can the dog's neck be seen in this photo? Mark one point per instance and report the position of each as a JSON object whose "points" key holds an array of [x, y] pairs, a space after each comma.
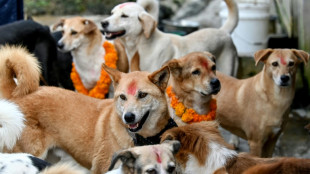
{"points": [[88, 59]]}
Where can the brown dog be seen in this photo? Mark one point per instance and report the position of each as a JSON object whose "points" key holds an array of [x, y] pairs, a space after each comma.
{"points": [[204, 151], [257, 108], [193, 81], [88, 129]]}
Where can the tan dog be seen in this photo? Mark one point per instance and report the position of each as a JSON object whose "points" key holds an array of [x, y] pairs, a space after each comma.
{"points": [[84, 40], [137, 31], [204, 151], [257, 108], [157, 159], [88, 129], [193, 80]]}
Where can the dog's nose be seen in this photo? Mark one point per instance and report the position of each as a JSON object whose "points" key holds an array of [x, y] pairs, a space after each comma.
{"points": [[285, 78], [104, 24], [129, 117], [60, 44], [215, 83]]}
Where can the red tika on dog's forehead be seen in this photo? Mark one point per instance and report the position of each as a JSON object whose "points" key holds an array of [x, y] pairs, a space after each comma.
{"points": [[132, 88], [282, 59], [125, 4], [203, 63], [157, 152]]}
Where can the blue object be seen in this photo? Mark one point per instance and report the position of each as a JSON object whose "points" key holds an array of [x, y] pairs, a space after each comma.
{"points": [[11, 10]]}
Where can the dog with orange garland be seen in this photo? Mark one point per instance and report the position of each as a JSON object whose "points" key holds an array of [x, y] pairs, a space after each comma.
{"points": [[90, 50]]}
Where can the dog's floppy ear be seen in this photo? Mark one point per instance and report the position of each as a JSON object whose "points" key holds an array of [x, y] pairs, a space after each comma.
{"points": [[262, 55], [174, 67], [113, 73], [174, 145], [301, 55], [148, 24], [160, 78], [89, 26], [127, 157], [59, 24]]}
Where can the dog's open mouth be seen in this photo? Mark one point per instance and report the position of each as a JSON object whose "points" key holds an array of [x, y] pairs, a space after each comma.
{"points": [[113, 35], [137, 126]]}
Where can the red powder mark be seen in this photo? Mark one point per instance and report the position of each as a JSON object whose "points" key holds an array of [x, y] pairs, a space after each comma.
{"points": [[132, 88], [125, 4], [204, 63], [157, 155], [283, 62]]}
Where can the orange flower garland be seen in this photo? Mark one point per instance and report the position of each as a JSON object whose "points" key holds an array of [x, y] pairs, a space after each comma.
{"points": [[189, 115], [102, 86]]}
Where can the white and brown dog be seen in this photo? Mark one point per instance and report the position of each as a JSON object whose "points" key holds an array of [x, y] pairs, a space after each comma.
{"points": [[84, 40], [88, 129], [137, 31], [204, 151], [257, 108]]}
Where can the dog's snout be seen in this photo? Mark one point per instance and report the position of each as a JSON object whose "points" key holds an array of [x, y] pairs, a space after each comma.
{"points": [[285, 78], [104, 24], [60, 44], [129, 117], [215, 83]]}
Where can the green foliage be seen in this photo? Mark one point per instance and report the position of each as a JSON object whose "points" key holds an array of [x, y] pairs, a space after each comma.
{"points": [[69, 7]]}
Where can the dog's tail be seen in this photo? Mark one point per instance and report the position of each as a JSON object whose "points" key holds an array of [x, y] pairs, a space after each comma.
{"points": [[233, 16], [61, 169], [11, 124], [17, 62]]}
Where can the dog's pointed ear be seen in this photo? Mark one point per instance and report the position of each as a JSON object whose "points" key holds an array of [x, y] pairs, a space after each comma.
{"points": [[160, 78], [127, 157], [174, 145], [89, 26], [148, 24], [58, 24], [301, 55], [114, 74], [174, 67], [262, 55]]}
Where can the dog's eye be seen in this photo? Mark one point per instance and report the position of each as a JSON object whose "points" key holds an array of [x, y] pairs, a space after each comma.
{"points": [[274, 64], [142, 94], [196, 72], [213, 68], [73, 32], [124, 16], [291, 64], [151, 171], [123, 97]]}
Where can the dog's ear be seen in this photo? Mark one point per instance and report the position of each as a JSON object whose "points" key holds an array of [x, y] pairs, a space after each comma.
{"points": [[160, 78], [113, 73], [167, 136], [58, 24], [301, 55], [148, 24], [262, 55], [89, 26], [174, 67], [127, 157], [174, 145]]}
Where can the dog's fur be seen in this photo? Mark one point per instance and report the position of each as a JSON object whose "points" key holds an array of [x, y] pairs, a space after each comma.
{"points": [[89, 129], [204, 150], [137, 31], [147, 159], [84, 40], [193, 80], [257, 108]]}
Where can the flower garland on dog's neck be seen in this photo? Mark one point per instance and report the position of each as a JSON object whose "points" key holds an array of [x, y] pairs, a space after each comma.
{"points": [[103, 84], [189, 115]]}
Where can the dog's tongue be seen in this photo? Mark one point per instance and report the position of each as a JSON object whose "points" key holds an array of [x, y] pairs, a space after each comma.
{"points": [[133, 126]]}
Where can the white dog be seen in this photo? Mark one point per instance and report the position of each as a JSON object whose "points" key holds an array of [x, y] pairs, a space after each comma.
{"points": [[137, 31]]}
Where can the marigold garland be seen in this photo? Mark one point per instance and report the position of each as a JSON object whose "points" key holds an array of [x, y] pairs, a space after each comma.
{"points": [[189, 115], [102, 85]]}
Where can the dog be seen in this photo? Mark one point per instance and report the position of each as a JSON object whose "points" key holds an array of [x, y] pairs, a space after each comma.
{"points": [[38, 40], [137, 30], [88, 129], [88, 47], [147, 159], [204, 150], [257, 108], [193, 81]]}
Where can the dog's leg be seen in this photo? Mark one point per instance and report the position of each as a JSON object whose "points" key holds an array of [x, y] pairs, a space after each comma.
{"points": [[234, 140], [256, 147]]}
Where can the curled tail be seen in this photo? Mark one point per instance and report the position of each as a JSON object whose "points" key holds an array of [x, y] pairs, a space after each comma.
{"points": [[17, 62], [233, 16], [11, 124]]}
